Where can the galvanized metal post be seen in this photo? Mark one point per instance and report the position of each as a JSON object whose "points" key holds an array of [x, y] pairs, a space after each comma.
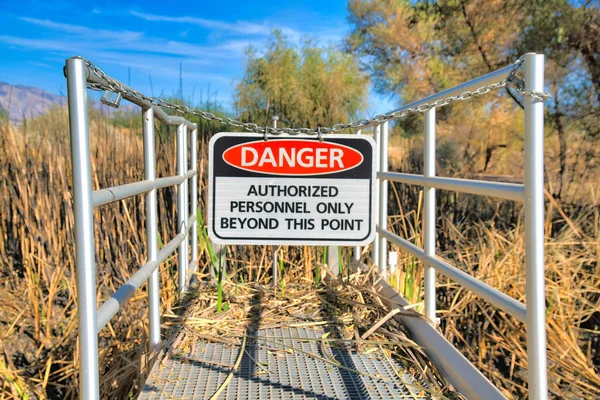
{"points": [[182, 205], [534, 229], [333, 259], [377, 137], [151, 227], [429, 206], [275, 118], [383, 197], [357, 248], [194, 195], [84, 229]]}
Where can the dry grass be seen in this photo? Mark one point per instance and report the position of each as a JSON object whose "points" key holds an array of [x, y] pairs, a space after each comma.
{"points": [[492, 248], [37, 291], [37, 283], [346, 311]]}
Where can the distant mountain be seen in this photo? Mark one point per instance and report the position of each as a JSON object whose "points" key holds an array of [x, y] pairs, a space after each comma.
{"points": [[23, 102], [26, 101]]}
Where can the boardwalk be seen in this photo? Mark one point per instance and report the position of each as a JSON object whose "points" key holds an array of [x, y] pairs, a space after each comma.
{"points": [[304, 344]]}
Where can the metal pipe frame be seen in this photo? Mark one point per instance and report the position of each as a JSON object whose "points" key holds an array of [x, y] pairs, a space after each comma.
{"points": [[84, 230], [531, 193], [429, 216], [383, 196], [169, 181], [194, 197], [376, 241], [483, 290], [110, 195], [455, 367], [357, 248], [487, 79], [91, 319], [534, 230], [275, 266], [500, 190], [151, 227], [106, 196], [115, 302], [182, 206]]}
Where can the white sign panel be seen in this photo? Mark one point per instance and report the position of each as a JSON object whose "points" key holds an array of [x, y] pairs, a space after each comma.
{"points": [[291, 190]]}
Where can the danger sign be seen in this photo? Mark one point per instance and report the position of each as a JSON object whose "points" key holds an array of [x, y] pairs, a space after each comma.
{"points": [[291, 189]]}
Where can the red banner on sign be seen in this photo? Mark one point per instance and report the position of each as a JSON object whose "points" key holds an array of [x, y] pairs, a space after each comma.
{"points": [[293, 157]]}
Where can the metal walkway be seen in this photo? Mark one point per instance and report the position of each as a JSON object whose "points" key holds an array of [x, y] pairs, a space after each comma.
{"points": [[276, 372], [270, 369]]}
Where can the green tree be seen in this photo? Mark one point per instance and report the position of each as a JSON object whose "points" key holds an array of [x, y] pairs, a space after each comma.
{"points": [[306, 87], [416, 48]]}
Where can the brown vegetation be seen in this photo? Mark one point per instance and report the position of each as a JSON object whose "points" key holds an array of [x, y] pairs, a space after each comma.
{"points": [[38, 297], [485, 237]]}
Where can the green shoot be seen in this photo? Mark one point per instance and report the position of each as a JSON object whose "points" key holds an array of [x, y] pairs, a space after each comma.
{"points": [[220, 286], [340, 262], [281, 273]]}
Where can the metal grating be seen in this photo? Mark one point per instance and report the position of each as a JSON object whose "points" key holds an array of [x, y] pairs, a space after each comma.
{"points": [[269, 371]]}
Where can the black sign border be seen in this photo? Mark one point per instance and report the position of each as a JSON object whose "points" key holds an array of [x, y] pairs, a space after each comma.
{"points": [[283, 241]]}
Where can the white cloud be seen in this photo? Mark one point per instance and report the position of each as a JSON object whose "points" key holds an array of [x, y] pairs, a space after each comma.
{"points": [[239, 27], [218, 59], [98, 34], [83, 38]]}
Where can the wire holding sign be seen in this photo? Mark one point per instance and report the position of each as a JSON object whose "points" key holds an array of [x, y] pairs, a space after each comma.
{"points": [[291, 190]]}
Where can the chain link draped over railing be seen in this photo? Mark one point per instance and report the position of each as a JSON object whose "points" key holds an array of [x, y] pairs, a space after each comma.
{"points": [[511, 80]]}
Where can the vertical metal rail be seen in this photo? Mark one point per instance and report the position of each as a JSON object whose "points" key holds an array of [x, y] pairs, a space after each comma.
{"points": [[194, 197], [377, 137], [275, 118], [357, 248], [151, 227], [429, 208], [383, 196], [182, 205], [84, 229], [333, 259], [534, 229]]}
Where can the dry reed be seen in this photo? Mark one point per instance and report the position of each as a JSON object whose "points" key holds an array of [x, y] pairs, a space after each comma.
{"points": [[38, 327]]}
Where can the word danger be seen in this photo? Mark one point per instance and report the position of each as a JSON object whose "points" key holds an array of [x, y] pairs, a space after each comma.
{"points": [[306, 157], [292, 157]]}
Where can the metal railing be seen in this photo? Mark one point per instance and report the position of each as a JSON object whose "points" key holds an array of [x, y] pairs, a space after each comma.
{"points": [[80, 73], [92, 320], [531, 193]]}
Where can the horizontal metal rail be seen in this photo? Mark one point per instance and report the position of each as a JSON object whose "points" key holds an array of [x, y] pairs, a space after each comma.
{"points": [[483, 290], [110, 195], [501, 190], [111, 307], [190, 221], [106, 196], [488, 79], [169, 181]]}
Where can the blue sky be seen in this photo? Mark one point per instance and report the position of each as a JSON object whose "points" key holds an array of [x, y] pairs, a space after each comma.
{"points": [[151, 39]]}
